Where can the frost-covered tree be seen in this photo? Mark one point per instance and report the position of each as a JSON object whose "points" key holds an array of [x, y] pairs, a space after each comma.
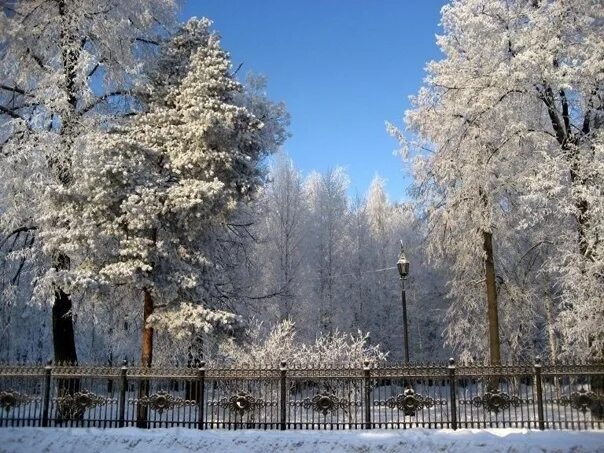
{"points": [[68, 67], [510, 171], [327, 199], [358, 290], [281, 225], [150, 195]]}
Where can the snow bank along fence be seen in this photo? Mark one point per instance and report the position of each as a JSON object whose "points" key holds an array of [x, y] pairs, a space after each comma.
{"points": [[536, 395]]}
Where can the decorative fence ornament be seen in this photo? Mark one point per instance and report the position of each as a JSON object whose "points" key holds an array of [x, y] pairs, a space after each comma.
{"points": [[242, 402], [408, 402], [162, 401], [496, 401], [583, 401], [72, 406], [324, 403], [11, 398]]}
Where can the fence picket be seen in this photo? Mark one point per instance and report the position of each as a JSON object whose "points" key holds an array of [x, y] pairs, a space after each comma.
{"points": [[539, 386], [452, 393], [283, 395], [46, 401], [122, 399]]}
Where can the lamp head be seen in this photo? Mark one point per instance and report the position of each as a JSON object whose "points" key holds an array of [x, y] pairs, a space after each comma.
{"points": [[402, 264]]}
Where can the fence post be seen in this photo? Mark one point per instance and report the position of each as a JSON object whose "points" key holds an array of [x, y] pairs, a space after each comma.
{"points": [[201, 389], [539, 384], [283, 395], [367, 386], [453, 392], [123, 388], [46, 400]]}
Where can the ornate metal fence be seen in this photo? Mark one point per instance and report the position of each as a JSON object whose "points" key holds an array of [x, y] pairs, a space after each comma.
{"points": [[538, 396]]}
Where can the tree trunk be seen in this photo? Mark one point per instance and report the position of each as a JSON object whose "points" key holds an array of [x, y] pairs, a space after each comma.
{"points": [[570, 143], [192, 387], [147, 343], [552, 340], [146, 359], [62, 321], [493, 316], [62, 329], [64, 343], [64, 346]]}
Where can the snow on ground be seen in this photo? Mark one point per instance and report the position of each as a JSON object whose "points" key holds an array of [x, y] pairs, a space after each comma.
{"points": [[178, 440]]}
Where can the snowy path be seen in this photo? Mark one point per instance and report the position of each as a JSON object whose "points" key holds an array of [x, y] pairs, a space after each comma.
{"points": [[183, 440]]}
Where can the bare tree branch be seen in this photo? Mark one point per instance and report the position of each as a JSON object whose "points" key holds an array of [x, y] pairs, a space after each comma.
{"points": [[103, 98], [13, 89], [17, 231]]}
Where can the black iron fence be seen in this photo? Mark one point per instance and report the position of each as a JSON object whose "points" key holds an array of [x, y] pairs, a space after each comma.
{"points": [[537, 396]]}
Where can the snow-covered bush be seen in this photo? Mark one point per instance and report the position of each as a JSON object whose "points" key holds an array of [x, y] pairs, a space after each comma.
{"points": [[280, 343]]}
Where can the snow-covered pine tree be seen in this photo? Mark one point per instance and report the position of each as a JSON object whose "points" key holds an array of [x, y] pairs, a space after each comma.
{"points": [[151, 194]]}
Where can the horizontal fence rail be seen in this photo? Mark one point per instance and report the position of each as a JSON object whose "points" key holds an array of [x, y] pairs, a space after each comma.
{"points": [[386, 396]]}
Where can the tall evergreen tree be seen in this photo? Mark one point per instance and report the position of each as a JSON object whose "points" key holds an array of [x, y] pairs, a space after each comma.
{"points": [[150, 194]]}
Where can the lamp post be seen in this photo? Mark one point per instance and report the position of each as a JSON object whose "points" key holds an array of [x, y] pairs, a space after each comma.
{"points": [[403, 270]]}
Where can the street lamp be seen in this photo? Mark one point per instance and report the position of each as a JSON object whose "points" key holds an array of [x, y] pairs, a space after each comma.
{"points": [[403, 270]]}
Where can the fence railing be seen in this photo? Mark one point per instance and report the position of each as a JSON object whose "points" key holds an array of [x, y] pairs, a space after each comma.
{"points": [[536, 396]]}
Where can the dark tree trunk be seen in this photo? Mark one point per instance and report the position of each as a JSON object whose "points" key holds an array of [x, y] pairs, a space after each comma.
{"points": [[62, 329], [64, 343], [147, 346], [194, 361], [62, 321], [491, 290], [492, 309], [570, 142], [146, 359]]}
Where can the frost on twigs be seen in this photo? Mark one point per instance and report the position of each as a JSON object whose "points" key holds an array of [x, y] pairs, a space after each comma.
{"points": [[188, 320], [280, 343]]}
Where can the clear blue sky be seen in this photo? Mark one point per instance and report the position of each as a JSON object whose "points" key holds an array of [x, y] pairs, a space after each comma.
{"points": [[343, 67]]}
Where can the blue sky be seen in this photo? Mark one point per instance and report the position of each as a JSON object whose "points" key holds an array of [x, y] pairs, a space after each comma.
{"points": [[343, 68]]}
